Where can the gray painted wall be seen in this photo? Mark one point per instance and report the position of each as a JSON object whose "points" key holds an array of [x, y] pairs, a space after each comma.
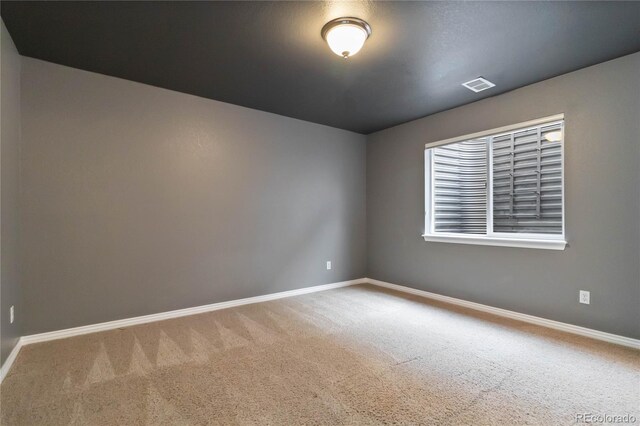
{"points": [[139, 200], [602, 108], [9, 168]]}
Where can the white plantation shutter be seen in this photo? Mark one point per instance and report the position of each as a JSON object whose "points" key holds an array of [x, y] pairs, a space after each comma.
{"points": [[459, 183], [527, 181]]}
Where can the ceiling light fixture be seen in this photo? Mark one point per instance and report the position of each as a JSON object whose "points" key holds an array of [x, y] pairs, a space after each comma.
{"points": [[346, 36]]}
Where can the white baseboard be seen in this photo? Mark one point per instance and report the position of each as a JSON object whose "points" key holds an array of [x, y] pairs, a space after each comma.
{"points": [[110, 325], [9, 361], [556, 325], [127, 322]]}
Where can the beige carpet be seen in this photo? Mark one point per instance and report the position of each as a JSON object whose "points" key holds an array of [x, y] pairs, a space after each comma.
{"points": [[357, 355]]}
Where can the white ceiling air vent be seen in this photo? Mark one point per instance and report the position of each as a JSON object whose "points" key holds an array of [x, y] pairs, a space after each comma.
{"points": [[478, 84]]}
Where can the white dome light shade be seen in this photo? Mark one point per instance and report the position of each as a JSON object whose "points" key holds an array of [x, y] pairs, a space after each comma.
{"points": [[346, 36], [346, 40]]}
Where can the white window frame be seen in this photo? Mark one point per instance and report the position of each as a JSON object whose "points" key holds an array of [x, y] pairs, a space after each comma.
{"points": [[538, 241]]}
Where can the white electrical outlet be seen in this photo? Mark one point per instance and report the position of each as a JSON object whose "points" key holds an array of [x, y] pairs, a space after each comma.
{"points": [[585, 297], [328, 264], [11, 314]]}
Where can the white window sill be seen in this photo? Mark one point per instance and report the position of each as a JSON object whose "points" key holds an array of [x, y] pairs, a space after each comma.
{"points": [[497, 241]]}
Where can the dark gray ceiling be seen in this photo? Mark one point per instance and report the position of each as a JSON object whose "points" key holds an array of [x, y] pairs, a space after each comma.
{"points": [[270, 56]]}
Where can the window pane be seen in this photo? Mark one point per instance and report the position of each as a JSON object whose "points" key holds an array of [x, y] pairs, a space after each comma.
{"points": [[527, 181], [459, 183]]}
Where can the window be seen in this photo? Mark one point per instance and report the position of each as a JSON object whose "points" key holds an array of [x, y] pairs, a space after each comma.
{"points": [[500, 187]]}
